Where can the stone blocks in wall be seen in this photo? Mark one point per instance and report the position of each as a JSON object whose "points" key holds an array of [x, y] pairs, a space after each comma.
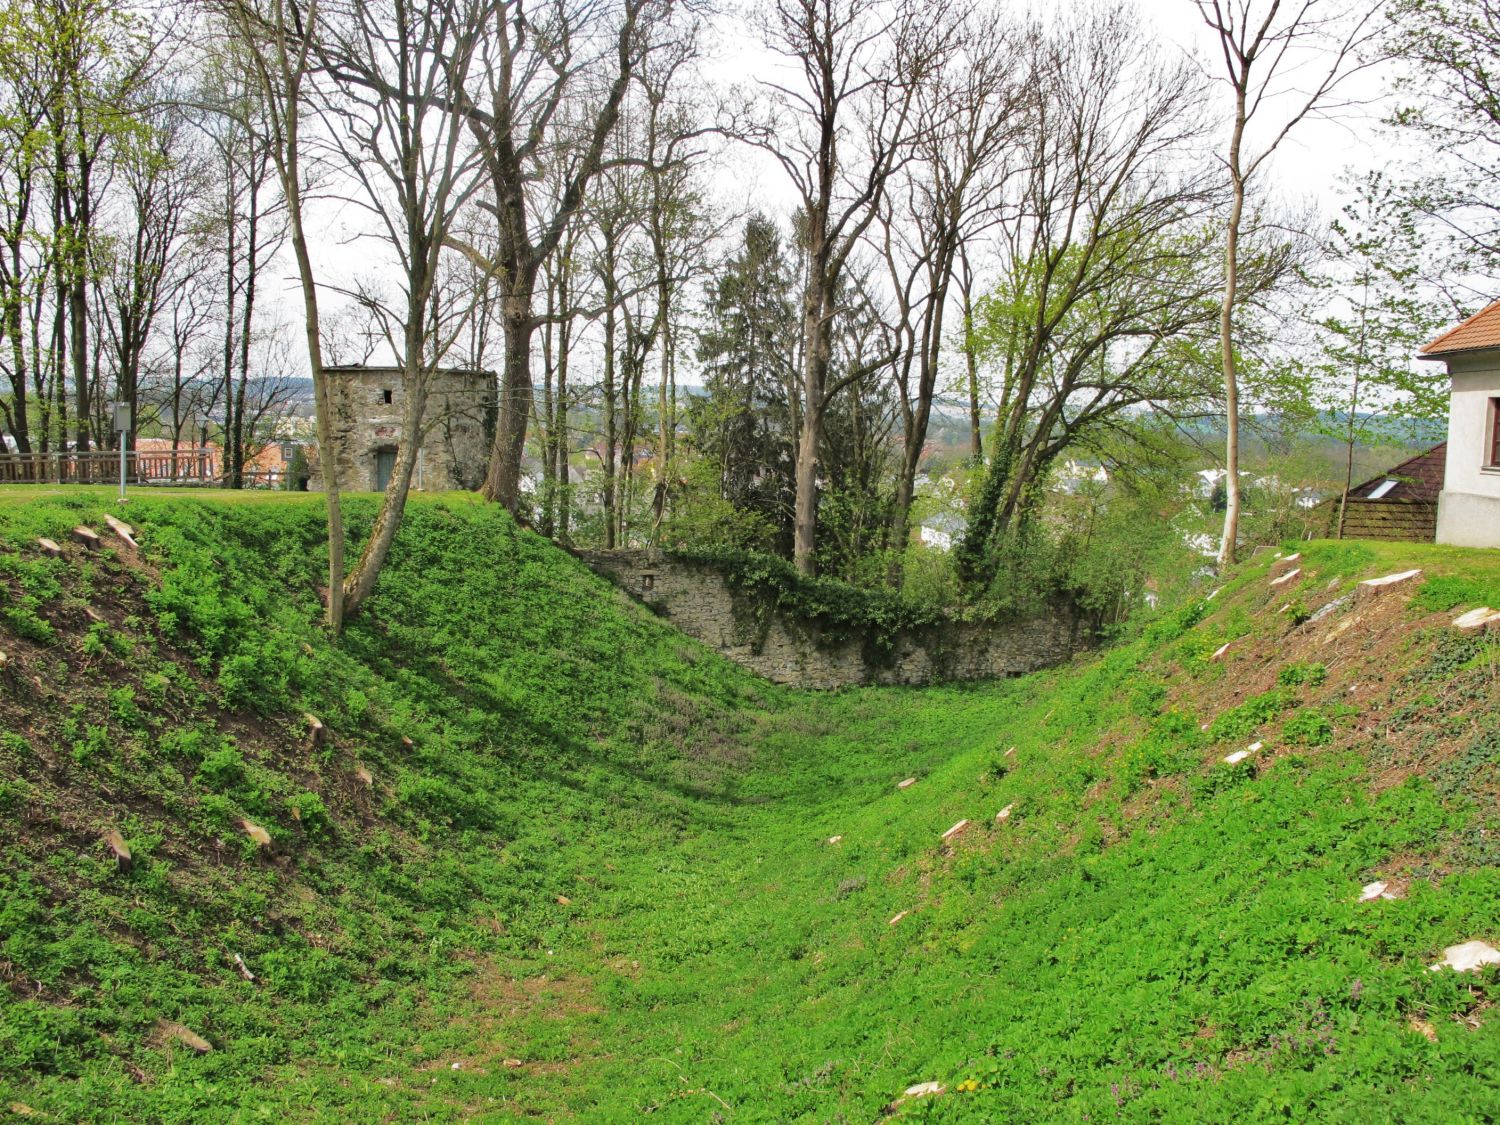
{"points": [[698, 600], [368, 405]]}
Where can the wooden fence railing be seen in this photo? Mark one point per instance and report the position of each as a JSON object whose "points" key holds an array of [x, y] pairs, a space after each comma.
{"points": [[167, 466]]}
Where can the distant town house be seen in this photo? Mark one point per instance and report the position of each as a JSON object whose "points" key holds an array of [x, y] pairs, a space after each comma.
{"points": [[1401, 503], [1468, 509]]}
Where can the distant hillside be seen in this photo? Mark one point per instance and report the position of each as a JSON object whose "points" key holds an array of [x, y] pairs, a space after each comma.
{"points": [[548, 858]]}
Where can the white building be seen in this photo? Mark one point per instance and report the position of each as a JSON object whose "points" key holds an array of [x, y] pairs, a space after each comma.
{"points": [[1469, 504]]}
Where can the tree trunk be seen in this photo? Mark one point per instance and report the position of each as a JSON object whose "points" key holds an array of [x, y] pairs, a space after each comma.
{"points": [[666, 416], [915, 439], [1228, 546], [817, 355], [547, 516], [361, 580], [78, 325], [562, 469], [290, 173], [971, 361], [1353, 413], [16, 331], [502, 484], [1348, 466], [231, 228], [805, 514], [610, 423]]}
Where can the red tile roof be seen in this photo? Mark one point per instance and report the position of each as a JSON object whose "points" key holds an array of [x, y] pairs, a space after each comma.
{"points": [[1480, 331], [1420, 478]]}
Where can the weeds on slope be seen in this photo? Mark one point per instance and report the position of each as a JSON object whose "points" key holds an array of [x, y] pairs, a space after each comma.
{"points": [[611, 875]]}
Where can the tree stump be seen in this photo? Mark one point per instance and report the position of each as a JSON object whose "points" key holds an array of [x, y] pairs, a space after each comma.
{"points": [[1373, 587], [188, 1038], [119, 849], [87, 536], [121, 529]]}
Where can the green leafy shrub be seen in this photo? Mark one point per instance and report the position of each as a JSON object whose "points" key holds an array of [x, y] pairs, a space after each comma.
{"points": [[1241, 721], [94, 641], [95, 745], [223, 769], [190, 743], [1147, 698], [1445, 592], [38, 1038], [1293, 675], [123, 709], [445, 802], [257, 675], [25, 622], [310, 811], [1308, 727], [1173, 625], [1173, 746]]}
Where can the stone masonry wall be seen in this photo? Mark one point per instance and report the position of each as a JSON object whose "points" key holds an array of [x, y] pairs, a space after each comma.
{"points": [[456, 441], [699, 601]]}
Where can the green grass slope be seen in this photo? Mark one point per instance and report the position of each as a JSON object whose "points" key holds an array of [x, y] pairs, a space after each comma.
{"points": [[553, 860]]}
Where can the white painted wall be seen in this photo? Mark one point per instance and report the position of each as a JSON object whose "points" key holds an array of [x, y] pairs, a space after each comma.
{"points": [[1469, 506]]}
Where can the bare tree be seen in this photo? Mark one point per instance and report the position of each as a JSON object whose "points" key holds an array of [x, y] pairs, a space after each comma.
{"points": [[98, 63], [249, 224], [279, 37], [22, 184], [73, 72], [395, 118], [1104, 280], [161, 182], [532, 62], [1283, 62], [839, 127], [946, 196], [180, 383]]}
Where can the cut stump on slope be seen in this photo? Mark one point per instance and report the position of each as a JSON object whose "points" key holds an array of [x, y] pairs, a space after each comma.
{"points": [[1374, 587], [1282, 566], [119, 849], [1469, 957], [955, 831], [171, 1031], [1286, 579], [123, 530], [1477, 620]]}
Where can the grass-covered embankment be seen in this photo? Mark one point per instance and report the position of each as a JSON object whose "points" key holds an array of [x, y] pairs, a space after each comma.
{"points": [[599, 881]]}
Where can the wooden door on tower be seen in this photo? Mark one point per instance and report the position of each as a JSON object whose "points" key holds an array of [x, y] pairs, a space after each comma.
{"points": [[385, 465]]}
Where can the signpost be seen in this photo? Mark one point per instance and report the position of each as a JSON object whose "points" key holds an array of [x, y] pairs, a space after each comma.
{"points": [[122, 427]]}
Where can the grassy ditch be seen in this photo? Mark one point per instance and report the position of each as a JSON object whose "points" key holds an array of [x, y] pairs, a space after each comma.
{"points": [[554, 859]]}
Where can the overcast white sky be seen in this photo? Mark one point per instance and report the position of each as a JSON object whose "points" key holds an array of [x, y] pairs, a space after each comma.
{"points": [[1306, 169]]}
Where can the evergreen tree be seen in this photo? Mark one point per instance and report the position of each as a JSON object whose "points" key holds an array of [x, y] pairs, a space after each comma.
{"points": [[745, 423]]}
